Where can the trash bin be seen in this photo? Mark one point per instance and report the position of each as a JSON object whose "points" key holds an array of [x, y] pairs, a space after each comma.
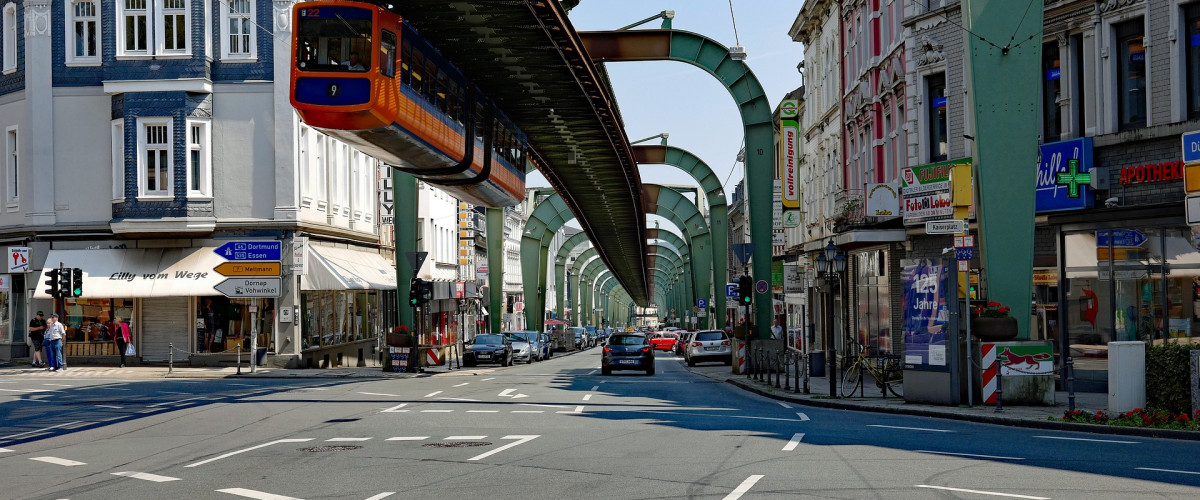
{"points": [[816, 364], [258, 356]]}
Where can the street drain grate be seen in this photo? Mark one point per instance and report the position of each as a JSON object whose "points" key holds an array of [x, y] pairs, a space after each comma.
{"points": [[457, 444], [316, 449]]}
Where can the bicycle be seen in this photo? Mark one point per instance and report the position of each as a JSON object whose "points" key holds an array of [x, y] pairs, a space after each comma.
{"points": [[885, 369]]}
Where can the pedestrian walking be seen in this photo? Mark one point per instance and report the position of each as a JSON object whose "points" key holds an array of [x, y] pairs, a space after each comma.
{"points": [[37, 336], [123, 338], [55, 334]]}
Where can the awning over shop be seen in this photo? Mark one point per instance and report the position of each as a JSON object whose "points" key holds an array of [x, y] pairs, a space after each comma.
{"points": [[140, 272], [332, 268]]}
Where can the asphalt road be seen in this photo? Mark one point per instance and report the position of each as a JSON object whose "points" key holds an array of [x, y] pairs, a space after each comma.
{"points": [[550, 430]]}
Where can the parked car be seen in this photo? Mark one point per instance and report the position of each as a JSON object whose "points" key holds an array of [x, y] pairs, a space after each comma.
{"points": [[581, 337], [664, 341], [627, 351], [489, 348], [684, 338], [709, 345], [522, 350], [536, 345], [548, 346]]}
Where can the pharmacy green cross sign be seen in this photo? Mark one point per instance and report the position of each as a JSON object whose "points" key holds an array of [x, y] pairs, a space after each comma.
{"points": [[1072, 178]]}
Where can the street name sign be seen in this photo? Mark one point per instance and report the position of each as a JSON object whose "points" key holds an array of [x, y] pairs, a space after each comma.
{"points": [[250, 287], [251, 250], [953, 226], [248, 269]]}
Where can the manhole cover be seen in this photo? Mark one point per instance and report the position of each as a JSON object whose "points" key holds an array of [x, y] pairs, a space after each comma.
{"points": [[457, 444], [316, 449]]}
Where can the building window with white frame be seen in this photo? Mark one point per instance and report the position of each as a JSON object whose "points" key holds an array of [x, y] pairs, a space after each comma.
{"points": [[1191, 19], [1051, 91], [12, 165], [118, 159], [134, 26], [153, 27], [9, 33], [237, 22], [199, 159], [172, 38], [83, 31], [155, 165], [1131, 74], [935, 97]]}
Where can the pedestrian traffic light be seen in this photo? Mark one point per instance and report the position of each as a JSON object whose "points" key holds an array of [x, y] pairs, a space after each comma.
{"points": [[76, 282], [745, 290], [426, 291], [64, 282], [414, 292], [52, 282]]}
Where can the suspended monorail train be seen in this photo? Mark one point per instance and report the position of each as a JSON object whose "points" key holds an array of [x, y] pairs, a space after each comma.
{"points": [[362, 74]]}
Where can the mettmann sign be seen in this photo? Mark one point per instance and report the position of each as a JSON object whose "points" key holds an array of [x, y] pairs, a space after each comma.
{"points": [[789, 152]]}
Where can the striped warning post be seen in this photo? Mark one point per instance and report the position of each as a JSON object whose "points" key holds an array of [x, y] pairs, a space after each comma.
{"points": [[431, 357], [988, 361]]}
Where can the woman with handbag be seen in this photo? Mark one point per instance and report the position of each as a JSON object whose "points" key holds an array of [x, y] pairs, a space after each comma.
{"points": [[123, 338]]}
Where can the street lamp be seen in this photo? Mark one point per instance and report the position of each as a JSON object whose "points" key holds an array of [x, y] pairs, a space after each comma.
{"points": [[830, 264]]}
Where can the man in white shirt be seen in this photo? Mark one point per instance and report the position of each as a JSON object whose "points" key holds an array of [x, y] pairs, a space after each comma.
{"points": [[777, 331], [55, 334]]}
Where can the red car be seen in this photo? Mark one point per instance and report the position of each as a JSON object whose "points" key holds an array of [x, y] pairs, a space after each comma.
{"points": [[664, 341]]}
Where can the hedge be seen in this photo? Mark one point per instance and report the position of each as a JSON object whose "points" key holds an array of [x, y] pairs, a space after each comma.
{"points": [[1168, 377]]}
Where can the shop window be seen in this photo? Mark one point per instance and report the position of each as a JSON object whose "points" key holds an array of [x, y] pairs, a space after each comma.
{"points": [[90, 327], [1131, 74], [1191, 15], [237, 23], [155, 165], [332, 318], [83, 31], [199, 159], [165, 22], [224, 324], [8, 32], [1051, 90], [935, 97]]}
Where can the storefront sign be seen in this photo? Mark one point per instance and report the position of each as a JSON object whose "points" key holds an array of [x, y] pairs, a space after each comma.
{"points": [[777, 276], [300, 255], [926, 316], [1152, 172], [791, 219], [460, 289], [5, 282], [18, 259], [1045, 277], [1061, 183], [883, 200], [927, 191], [789, 152], [777, 207], [793, 277], [1020, 360], [386, 202]]}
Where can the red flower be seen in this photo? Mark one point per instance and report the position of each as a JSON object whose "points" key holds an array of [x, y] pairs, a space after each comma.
{"points": [[993, 304]]}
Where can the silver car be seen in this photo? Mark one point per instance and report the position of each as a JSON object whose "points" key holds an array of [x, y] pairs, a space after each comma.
{"points": [[522, 349], [709, 345]]}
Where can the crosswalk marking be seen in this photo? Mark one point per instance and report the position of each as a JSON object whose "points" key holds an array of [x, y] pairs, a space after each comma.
{"points": [[407, 438], [58, 461], [145, 476], [347, 439]]}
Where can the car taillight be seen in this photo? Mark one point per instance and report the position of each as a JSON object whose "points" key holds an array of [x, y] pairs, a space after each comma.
{"points": [[724, 342], [645, 349], [607, 349], [697, 344]]}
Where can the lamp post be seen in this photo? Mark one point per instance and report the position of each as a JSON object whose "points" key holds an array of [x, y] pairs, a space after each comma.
{"points": [[830, 264]]}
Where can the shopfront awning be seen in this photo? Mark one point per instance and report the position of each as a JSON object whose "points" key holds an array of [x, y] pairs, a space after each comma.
{"points": [[140, 272], [332, 268]]}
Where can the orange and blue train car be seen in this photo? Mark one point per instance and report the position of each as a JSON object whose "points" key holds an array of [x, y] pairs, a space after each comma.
{"points": [[363, 75]]}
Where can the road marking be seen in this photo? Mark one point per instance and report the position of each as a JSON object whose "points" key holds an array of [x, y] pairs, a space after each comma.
{"points": [[110, 406], [744, 487], [334, 440], [28, 390], [146, 476], [432, 394], [578, 409], [60, 385], [44, 429], [487, 379], [462, 384], [520, 440], [462, 438], [175, 402], [383, 495], [259, 495], [505, 393], [483, 411], [5, 450], [968, 455], [461, 399], [381, 394], [542, 405], [908, 428], [529, 411], [1010, 495], [245, 385], [175, 392], [587, 397], [436, 411], [1167, 470], [1086, 439], [58, 461], [785, 405], [264, 445], [395, 409], [794, 442], [407, 438], [803, 417]]}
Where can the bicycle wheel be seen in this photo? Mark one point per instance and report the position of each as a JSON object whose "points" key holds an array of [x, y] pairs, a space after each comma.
{"points": [[894, 378], [851, 380]]}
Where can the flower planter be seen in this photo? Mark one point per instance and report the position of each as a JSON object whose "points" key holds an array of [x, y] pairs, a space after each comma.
{"points": [[994, 329]]}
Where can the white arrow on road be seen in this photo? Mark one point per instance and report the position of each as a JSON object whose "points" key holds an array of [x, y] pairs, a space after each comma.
{"points": [[520, 440], [508, 393]]}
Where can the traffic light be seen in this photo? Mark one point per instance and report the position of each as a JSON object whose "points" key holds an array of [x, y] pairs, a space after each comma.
{"points": [[64, 282], [745, 290], [76, 282], [414, 292], [426, 291], [52, 282]]}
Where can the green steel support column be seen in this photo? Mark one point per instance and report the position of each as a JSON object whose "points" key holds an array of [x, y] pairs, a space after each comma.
{"points": [[495, 246], [547, 218], [560, 262], [1004, 99], [404, 192]]}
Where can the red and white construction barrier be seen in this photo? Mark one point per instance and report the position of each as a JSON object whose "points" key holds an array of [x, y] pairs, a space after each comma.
{"points": [[988, 362], [431, 357]]}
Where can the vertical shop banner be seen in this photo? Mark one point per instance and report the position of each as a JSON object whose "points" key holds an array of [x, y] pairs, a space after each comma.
{"points": [[777, 208], [926, 313], [789, 151], [927, 191], [777, 276]]}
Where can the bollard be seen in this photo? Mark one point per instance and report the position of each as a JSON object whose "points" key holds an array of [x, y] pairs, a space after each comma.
{"points": [[239, 359], [170, 357], [778, 368], [787, 371], [999, 389]]}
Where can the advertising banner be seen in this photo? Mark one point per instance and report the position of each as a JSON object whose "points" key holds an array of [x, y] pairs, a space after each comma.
{"points": [[777, 276], [926, 313], [883, 200], [793, 277], [927, 191], [789, 152]]}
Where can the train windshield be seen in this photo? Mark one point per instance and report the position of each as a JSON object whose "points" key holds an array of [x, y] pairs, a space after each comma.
{"points": [[334, 39]]}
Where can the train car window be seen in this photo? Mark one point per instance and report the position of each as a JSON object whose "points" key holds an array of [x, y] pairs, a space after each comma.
{"points": [[387, 53], [431, 83], [418, 72], [479, 123], [443, 88], [405, 58], [454, 103], [334, 38]]}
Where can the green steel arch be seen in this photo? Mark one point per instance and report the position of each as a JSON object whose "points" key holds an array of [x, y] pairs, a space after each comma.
{"points": [[547, 218], [560, 261], [718, 208], [590, 277], [676, 207], [756, 112]]}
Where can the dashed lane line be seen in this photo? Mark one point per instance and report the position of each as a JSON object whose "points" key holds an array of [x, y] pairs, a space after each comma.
{"points": [[462, 384], [339, 440], [785, 405], [257, 495], [145, 476], [432, 394], [437, 411], [529, 411], [5, 450], [587, 397], [744, 487], [407, 438], [463, 438], [44, 429], [483, 411], [1167, 470], [28, 390], [395, 409], [264, 445], [981, 492], [520, 439], [594, 387], [114, 407], [487, 379], [908, 428], [59, 385], [175, 402], [461, 399], [794, 442], [58, 461], [578, 409], [968, 455], [381, 394], [383, 495], [1064, 438]]}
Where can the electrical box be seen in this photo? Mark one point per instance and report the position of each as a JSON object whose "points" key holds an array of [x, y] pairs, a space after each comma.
{"points": [[1126, 376]]}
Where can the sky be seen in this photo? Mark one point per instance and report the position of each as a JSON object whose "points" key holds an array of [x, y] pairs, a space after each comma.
{"points": [[684, 101]]}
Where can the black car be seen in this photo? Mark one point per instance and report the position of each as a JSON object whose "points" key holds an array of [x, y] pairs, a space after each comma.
{"points": [[627, 351], [489, 348]]}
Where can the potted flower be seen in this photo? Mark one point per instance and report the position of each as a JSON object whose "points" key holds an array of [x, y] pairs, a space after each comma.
{"points": [[992, 323]]}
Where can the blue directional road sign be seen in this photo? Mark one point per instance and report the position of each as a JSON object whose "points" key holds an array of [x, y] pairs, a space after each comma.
{"points": [[702, 303], [1191, 147], [731, 290], [1121, 238], [251, 250]]}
